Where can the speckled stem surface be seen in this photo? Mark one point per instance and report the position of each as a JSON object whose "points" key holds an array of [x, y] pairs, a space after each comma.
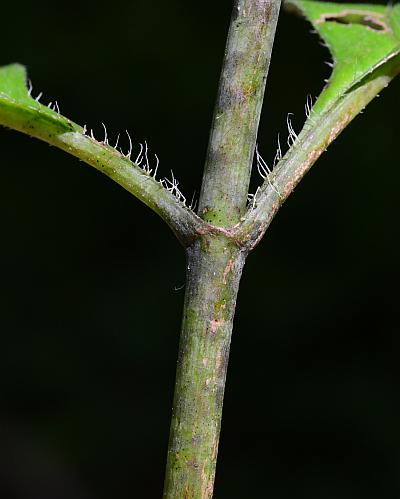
{"points": [[214, 268], [233, 134], [218, 239], [215, 260]]}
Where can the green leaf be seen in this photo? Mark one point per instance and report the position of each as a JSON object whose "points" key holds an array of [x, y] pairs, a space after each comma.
{"points": [[12, 84], [21, 111], [361, 38]]}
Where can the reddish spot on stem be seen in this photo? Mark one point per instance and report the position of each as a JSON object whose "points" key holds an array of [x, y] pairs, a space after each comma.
{"points": [[215, 324], [228, 269]]}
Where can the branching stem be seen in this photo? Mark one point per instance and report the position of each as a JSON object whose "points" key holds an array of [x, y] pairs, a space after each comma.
{"points": [[215, 260], [218, 239], [64, 134]]}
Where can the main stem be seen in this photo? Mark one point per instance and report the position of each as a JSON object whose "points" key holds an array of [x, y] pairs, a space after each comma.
{"points": [[215, 259], [214, 267], [237, 111]]}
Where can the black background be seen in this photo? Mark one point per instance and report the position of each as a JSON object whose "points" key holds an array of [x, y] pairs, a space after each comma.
{"points": [[92, 280]]}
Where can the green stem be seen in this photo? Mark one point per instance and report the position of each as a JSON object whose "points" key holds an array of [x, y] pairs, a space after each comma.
{"points": [[214, 267], [215, 260], [217, 243], [183, 221], [37, 121], [237, 111]]}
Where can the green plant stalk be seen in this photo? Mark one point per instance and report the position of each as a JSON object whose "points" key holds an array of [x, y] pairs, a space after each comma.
{"points": [[206, 330], [64, 134], [237, 111], [214, 268], [218, 241], [216, 259]]}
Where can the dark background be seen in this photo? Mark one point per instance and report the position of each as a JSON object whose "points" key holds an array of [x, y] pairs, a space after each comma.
{"points": [[92, 280]]}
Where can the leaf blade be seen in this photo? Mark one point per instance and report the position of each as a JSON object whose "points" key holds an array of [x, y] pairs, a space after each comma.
{"points": [[360, 38], [24, 112]]}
